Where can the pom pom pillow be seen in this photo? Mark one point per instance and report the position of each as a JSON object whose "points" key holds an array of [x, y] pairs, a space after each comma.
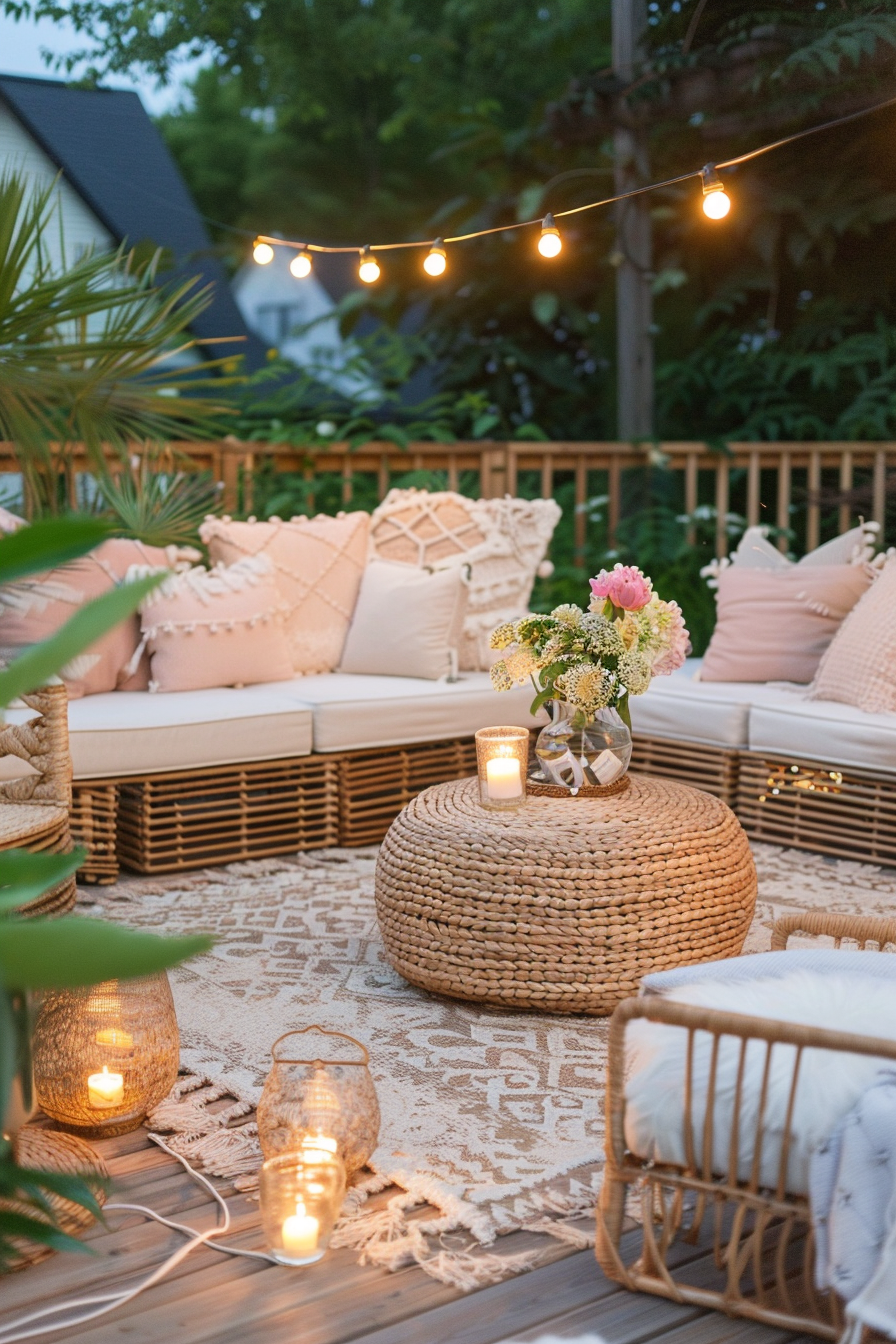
{"points": [[220, 627], [317, 565], [503, 541], [33, 608]]}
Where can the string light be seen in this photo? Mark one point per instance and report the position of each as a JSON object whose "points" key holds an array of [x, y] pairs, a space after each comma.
{"points": [[716, 205], [550, 244], [716, 201], [300, 266], [369, 269], [435, 262]]}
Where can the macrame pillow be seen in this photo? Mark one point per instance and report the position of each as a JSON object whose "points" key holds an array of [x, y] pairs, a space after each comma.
{"points": [[502, 540], [33, 608], [859, 668], [219, 627], [317, 567]]}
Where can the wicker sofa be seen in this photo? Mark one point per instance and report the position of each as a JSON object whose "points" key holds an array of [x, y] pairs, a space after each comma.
{"points": [[180, 780]]}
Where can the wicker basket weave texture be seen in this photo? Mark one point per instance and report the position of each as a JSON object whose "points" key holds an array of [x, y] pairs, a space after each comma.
{"points": [[564, 905]]}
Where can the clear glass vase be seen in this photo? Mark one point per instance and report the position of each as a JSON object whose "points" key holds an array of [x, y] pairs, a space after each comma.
{"points": [[575, 753]]}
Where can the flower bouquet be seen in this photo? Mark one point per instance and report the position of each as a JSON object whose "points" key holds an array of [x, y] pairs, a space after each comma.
{"points": [[588, 663]]}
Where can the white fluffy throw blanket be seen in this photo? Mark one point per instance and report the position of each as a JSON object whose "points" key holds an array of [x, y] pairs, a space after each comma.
{"points": [[843, 1144], [830, 1083]]}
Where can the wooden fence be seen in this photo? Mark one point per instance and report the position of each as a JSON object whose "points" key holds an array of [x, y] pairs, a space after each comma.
{"points": [[766, 482]]}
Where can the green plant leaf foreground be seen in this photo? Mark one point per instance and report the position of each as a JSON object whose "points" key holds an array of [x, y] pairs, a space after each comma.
{"points": [[71, 951], [25, 876], [47, 543], [44, 660]]}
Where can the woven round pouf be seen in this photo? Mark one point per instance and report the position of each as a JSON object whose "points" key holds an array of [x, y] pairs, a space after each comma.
{"points": [[563, 905]]}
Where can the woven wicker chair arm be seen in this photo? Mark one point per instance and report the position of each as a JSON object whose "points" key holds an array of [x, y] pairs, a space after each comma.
{"points": [[862, 929], [43, 743]]}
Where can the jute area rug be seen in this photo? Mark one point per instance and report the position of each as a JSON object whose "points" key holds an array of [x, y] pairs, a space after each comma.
{"points": [[491, 1121]]}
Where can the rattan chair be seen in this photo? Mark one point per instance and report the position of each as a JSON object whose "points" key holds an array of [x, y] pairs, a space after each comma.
{"points": [[760, 1241], [35, 808]]}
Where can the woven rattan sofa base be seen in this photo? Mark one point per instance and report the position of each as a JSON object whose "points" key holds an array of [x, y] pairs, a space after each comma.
{"points": [[193, 818], [713, 769], [94, 825], [375, 785], [850, 814], [762, 1240]]}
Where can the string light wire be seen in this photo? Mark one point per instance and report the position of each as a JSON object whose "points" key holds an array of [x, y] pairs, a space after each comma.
{"points": [[590, 205], [101, 1303]]}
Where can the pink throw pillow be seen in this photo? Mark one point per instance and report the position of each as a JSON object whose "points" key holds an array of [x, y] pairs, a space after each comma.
{"points": [[860, 666], [35, 607], [219, 627], [317, 566], [775, 624]]}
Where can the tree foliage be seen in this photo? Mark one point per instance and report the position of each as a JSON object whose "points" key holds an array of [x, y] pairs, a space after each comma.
{"points": [[349, 120]]}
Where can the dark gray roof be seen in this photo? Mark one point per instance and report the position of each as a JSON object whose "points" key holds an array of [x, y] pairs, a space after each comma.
{"points": [[108, 148]]}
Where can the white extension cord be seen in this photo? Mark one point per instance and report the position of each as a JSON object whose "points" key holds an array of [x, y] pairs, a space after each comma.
{"points": [[105, 1302]]}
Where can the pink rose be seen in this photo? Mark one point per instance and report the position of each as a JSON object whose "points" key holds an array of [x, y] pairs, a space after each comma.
{"points": [[624, 585]]}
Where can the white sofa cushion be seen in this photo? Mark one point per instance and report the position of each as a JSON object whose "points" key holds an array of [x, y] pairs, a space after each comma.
{"points": [[823, 730], [133, 733], [352, 712], [713, 713]]}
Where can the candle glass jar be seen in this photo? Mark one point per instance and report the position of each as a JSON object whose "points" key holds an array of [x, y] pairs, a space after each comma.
{"points": [[105, 1056], [301, 1198], [319, 1098], [502, 756]]}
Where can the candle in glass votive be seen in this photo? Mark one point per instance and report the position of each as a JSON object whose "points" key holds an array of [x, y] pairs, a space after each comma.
{"points": [[105, 1089], [502, 774], [318, 1148], [300, 1233]]}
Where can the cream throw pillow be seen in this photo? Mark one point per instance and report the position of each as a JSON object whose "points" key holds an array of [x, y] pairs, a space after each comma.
{"points": [[775, 624], [407, 623], [219, 627], [503, 541], [317, 565], [859, 668]]}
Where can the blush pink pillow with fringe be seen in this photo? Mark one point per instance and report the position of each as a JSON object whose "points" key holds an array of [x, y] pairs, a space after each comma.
{"points": [[33, 608], [775, 624], [219, 627]]}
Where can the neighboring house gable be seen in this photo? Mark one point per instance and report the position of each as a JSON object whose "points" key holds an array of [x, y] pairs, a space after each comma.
{"points": [[119, 182]]}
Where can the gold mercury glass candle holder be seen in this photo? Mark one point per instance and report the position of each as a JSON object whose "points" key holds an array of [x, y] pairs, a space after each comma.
{"points": [[502, 757], [301, 1197], [105, 1056]]}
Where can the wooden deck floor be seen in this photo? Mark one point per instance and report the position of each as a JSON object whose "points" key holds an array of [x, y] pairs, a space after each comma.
{"points": [[214, 1297]]}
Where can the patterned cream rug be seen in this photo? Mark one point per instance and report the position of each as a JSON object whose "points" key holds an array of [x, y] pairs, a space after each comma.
{"points": [[491, 1120]]}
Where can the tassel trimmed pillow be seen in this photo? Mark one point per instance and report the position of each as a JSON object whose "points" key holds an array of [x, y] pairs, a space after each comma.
{"points": [[219, 627]]}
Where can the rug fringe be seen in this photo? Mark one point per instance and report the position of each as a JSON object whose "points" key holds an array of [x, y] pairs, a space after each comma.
{"points": [[389, 1236]]}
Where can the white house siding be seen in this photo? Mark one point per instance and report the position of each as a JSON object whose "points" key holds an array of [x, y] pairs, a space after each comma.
{"points": [[80, 229]]}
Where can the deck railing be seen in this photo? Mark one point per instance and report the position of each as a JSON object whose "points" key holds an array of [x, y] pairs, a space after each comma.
{"points": [[806, 489]]}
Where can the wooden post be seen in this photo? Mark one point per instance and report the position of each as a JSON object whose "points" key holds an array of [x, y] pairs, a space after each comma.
{"points": [[633, 252]]}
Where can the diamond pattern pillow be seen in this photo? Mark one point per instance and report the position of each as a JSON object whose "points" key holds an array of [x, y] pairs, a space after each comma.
{"points": [[317, 565], [503, 541]]}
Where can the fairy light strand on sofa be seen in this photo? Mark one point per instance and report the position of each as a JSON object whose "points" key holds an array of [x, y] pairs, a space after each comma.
{"points": [[716, 206]]}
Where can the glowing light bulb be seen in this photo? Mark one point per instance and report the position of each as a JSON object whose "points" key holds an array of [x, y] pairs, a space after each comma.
{"points": [[550, 244], [716, 201], [368, 270], [435, 262], [300, 266], [262, 253]]}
